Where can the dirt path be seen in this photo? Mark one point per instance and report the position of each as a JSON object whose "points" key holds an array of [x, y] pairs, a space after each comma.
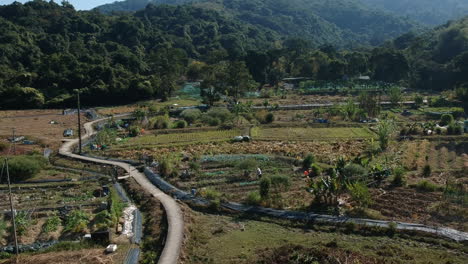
{"points": [[175, 235]]}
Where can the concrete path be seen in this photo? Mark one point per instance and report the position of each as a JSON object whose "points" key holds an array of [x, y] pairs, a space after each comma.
{"points": [[175, 234]]}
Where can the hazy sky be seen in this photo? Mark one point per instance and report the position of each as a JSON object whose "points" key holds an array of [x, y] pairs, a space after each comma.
{"points": [[78, 4]]}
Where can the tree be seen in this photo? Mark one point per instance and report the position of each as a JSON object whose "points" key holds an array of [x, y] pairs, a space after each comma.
{"points": [[369, 103], [265, 184], [395, 95], [360, 194], [385, 130]]}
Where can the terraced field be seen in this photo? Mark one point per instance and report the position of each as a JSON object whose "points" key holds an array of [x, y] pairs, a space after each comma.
{"points": [[311, 134], [181, 138]]}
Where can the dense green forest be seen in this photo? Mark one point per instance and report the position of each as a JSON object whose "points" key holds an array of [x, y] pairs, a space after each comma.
{"points": [[47, 51], [430, 12], [343, 23], [438, 59]]}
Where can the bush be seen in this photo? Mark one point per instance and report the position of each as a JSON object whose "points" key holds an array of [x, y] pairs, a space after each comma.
{"points": [[102, 220], [166, 168], [254, 198], [280, 183], [25, 167], [354, 171], [249, 164], [191, 115], [399, 177], [427, 171], [3, 146], [446, 119], [23, 222], [426, 186], [265, 185], [360, 194], [180, 124], [454, 129], [51, 224], [308, 161], [76, 221], [222, 114], [316, 170], [116, 207], [211, 194], [269, 118], [134, 131], [160, 122], [211, 121], [392, 228]]}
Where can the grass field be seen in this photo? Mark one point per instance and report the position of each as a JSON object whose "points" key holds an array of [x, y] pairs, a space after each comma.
{"points": [[311, 134], [223, 239]]}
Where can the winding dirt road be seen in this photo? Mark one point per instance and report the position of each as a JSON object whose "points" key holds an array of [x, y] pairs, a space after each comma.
{"points": [[175, 234]]}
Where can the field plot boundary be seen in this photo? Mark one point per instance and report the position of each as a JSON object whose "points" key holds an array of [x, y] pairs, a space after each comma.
{"points": [[302, 216], [311, 133]]}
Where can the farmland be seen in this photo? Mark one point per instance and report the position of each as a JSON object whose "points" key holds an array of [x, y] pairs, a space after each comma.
{"points": [[181, 138], [234, 239], [311, 133], [45, 128]]}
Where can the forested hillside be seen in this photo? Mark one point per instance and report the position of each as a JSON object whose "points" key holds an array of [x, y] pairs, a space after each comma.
{"points": [[48, 50], [439, 58], [430, 12], [344, 23]]}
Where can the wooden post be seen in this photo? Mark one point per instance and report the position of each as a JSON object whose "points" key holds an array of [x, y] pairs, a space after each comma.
{"points": [[13, 216], [79, 122]]}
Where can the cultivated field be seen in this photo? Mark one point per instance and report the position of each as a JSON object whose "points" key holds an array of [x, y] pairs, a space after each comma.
{"points": [[36, 125], [311, 133]]}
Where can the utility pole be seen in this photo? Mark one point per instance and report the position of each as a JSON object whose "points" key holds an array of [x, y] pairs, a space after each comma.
{"points": [[79, 122], [13, 216]]}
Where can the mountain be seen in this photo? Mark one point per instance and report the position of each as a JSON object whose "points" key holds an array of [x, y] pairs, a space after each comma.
{"points": [[429, 12], [438, 58], [344, 23], [48, 50]]}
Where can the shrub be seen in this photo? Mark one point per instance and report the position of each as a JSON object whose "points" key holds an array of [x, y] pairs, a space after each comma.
{"points": [[418, 101], [269, 118], [254, 198], [316, 170], [52, 223], [134, 131], [454, 129], [399, 177], [211, 121], [23, 222], [392, 228], [308, 161], [3, 146], [25, 167], [211, 194], [76, 221], [354, 171], [261, 116], [360, 194], [446, 119], [280, 183], [438, 130], [116, 207], [222, 114], [160, 122], [191, 115], [427, 171], [102, 220], [194, 166], [426, 186], [265, 185], [249, 164], [180, 124], [166, 168]]}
